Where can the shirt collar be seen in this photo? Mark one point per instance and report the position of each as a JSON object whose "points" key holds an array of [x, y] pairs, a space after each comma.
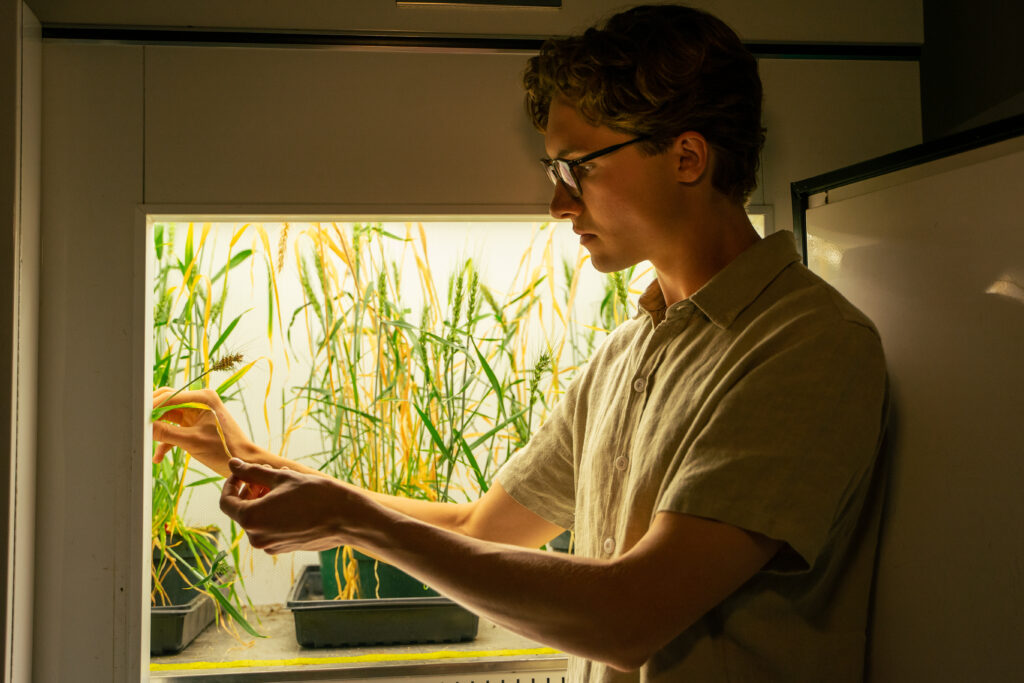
{"points": [[733, 288]]}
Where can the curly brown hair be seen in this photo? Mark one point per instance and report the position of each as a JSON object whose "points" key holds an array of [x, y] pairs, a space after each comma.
{"points": [[659, 71]]}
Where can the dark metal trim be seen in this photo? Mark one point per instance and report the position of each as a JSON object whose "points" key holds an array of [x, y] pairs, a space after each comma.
{"points": [[932, 150], [799, 221], [515, 4], [203, 36], [846, 51], [215, 36]]}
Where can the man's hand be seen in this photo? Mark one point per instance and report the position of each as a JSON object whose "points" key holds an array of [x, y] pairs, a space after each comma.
{"points": [[282, 510], [195, 430]]}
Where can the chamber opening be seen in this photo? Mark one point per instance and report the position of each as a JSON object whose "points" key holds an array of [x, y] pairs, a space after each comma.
{"points": [[408, 357]]}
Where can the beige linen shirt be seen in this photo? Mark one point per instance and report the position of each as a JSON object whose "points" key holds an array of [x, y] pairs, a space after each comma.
{"points": [[759, 402]]}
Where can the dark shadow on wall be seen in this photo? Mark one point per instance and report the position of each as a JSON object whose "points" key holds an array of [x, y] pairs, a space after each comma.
{"points": [[970, 64]]}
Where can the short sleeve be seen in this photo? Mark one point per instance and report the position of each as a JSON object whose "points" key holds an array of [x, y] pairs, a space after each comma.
{"points": [[790, 441], [541, 475]]}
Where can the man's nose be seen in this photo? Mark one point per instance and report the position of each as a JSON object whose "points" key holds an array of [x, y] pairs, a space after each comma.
{"points": [[563, 205]]}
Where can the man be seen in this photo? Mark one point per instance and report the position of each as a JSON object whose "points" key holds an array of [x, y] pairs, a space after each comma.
{"points": [[715, 455]]}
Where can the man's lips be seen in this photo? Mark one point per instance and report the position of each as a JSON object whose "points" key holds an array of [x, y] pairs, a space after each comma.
{"points": [[585, 236]]}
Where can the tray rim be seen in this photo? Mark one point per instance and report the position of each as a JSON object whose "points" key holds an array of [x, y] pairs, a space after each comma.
{"points": [[181, 608], [296, 603]]}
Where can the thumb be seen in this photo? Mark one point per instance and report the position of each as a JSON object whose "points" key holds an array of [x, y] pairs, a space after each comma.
{"points": [[264, 475]]}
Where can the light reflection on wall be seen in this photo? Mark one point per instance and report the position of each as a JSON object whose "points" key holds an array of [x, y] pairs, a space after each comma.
{"points": [[1010, 285]]}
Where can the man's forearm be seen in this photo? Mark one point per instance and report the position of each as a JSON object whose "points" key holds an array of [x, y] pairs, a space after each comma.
{"points": [[581, 606], [261, 456], [618, 611], [451, 516]]}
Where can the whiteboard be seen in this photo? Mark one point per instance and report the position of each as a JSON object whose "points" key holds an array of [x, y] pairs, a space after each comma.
{"points": [[934, 255]]}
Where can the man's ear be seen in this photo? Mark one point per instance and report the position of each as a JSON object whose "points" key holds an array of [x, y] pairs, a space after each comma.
{"points": [[692, 155]]}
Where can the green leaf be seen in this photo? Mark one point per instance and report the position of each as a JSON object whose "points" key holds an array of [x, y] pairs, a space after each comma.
{"points": [[291, 323], [497, 428], [226, 605], [161, 371], [334, 330], [188, 250], [209, 584], [400, 323], [434, 436], [385, 233], [207, 480], [238, 374], [307, 387], [270, 301], [235, 549], [480, 479], [444, 342], [495, 384], [227, 331], [160, 411], [371, 418], [527, 291], [158, 240], [235, 261]]}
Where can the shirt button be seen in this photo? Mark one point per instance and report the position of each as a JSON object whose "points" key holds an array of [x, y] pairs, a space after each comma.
{"points": [[621, 463], [640, 383], [609, 545]]}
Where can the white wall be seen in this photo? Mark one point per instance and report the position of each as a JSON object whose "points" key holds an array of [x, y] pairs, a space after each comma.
{"points": [[381, 129], [279, 126], [866, 21], [935, 256], [130, 125], [89, 541]]}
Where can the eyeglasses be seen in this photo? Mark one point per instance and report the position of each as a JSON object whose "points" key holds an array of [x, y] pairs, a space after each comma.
{"points": [[563, 170]]}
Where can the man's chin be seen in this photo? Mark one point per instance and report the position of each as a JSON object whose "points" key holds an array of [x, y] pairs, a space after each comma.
{"points": [[605, 265]]}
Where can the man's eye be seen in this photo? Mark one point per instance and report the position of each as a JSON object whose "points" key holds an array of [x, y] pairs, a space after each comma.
{"points": [[584, 169]]}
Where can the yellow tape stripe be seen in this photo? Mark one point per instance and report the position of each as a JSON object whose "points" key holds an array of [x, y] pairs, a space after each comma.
{"points": [[354, 659]]}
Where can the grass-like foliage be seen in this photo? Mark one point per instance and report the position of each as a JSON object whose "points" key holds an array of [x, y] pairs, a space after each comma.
{"points": [[416, 383], [190, 334], [429, 403]]}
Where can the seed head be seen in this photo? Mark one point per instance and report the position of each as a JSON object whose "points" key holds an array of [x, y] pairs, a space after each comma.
{"points": [[227, 362], [281, 248]]}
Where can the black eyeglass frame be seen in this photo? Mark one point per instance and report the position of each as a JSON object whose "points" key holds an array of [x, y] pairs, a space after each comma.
{"points": [[562, 170]]}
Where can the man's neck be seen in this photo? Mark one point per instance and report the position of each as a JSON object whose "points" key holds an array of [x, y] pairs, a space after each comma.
{"points": [[716, 238]]}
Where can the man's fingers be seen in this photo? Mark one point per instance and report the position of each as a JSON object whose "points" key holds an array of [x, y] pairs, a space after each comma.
{"points": [[160, 394], [255, 474], [231, 502], [207, 396], [161, 452], [170, 435], [254, 491]]}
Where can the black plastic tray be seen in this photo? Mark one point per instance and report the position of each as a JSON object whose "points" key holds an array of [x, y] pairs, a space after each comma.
{"points": [[173, 627], [384, 621]]}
